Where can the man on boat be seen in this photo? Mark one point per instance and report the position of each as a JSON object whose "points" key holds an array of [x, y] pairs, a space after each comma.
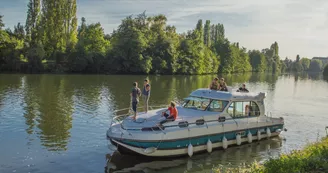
{"points": [[146, 94], [243, 89], [215, 84], [135, 94], [173, 113]]}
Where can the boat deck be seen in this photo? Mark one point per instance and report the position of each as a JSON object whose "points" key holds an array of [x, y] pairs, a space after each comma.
{"points": [[153, 117]]}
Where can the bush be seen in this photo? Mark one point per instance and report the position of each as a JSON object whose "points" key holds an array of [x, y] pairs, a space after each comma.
{"points": [[313, 159], [325, 71]]}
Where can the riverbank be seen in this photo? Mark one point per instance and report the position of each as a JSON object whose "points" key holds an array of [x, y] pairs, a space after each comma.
{"points": [[312, 159]]}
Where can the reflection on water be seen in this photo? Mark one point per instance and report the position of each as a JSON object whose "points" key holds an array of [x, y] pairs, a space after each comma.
{"points": [[57, 121]]}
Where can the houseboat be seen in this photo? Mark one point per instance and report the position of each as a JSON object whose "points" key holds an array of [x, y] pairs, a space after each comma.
{"points": [[207, 119]]}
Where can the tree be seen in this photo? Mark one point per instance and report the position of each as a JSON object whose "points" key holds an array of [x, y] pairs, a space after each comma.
{"points": [[298, 58], [325, 71], [257, 60], [91, 49], [315, 65], [207, 37], [70, 24], [128, 45], [19, 31], [297, 66], [200, 29], [305, 63], [2, 25], [32, 20]]}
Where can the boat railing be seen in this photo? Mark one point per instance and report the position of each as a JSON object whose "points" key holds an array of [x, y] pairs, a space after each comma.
{"points": [[119, 116]]}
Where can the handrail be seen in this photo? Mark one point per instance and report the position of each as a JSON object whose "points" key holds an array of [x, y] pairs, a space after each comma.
{"points": [[114, 118]]}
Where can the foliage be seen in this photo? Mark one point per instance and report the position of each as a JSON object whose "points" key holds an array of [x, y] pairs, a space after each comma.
{"points": [[1, 22], [305, 63], [141, 44], [257, 60], [315, 65], [313, 158], [325, 71]]}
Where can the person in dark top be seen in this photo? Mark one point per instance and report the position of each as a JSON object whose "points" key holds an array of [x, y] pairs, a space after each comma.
{"points": [[243, 89], [215, 85], [221, 83], [223, 87], [135, 94], [146, 94]]}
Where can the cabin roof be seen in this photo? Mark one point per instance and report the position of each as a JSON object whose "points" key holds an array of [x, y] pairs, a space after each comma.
{"points": [[230, 95]]}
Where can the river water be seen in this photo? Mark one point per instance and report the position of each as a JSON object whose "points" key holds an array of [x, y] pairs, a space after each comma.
{"points": [[57, 123]]}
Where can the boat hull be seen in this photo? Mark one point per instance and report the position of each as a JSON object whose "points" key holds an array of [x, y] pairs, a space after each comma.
{"points": [[179, 147]]}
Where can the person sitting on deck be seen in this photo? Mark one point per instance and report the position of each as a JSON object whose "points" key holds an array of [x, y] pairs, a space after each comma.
{"points": [[221, 82], [243, 89], [215, 84], [223, 87], [173, 113]]}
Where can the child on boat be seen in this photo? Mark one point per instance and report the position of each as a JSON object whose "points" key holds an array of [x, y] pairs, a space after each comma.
{"points": [[173, 113]]}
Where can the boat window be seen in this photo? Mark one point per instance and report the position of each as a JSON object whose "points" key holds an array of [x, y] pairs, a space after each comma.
{"points": [[243, 109], [196, 103], [217, 105]]}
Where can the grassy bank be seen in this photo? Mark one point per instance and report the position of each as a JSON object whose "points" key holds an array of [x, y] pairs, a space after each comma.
{"points": [[312, 159]]}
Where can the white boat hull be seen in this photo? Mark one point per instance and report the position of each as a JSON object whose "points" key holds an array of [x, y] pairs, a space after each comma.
{"points": [[184, 151]]}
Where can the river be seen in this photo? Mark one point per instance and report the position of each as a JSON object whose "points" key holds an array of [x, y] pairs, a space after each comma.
{"points": [[57, 123]]}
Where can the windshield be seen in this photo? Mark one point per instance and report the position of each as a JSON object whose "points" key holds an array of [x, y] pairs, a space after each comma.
{"points": [[205, 104], [196, 103]]}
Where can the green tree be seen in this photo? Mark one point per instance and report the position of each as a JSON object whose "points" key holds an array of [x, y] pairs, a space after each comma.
{"points": [[298, 58], [297, 67], [315, 65], [305, 63], [207, 31], [91, 49], [200, 29], [70, 23], [19, 31], [2, 25], [128, 46], [257, 60], [32, 20], [325, 71]]}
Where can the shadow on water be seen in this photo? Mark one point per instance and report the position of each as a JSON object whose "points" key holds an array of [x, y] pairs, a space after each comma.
{"points": [[234, 156]]}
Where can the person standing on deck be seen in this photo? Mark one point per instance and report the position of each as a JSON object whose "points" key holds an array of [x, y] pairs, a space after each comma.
{"points": [[135, 94], [146, 94]]}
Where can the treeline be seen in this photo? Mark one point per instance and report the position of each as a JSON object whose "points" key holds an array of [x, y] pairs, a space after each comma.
{"points": [[51, 41], [304, 64]]}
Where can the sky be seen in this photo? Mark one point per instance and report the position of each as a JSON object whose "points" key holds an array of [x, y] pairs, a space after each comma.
{"points": [[299, 26]]}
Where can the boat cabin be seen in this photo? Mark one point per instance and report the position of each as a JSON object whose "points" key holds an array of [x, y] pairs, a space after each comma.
{"points": [[236, 104]]}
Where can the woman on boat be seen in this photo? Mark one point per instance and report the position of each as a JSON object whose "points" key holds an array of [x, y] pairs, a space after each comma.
{"points": [[215, 84], [223, 87], [173, 113], [146, 94]]}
